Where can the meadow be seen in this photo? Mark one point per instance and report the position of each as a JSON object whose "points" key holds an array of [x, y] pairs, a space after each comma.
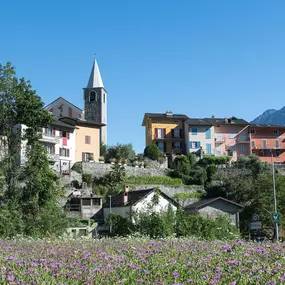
{"points": [[140, 261]]}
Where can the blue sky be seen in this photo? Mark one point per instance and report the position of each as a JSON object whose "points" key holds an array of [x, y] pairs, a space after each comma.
{"points": [[192, 57]]}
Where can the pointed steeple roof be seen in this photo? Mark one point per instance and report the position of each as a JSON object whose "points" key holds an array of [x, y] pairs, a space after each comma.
{"points": [[95, 79]]}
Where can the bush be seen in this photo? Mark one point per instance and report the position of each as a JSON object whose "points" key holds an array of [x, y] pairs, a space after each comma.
{"points": [[153, 152], [88, 179], [211, 159], [120, 225], [77, 166], [157, 180], [181, 164], [187, 195]]}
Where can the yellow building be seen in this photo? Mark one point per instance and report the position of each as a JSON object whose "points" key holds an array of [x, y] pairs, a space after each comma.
{"points": [[166, 130]]}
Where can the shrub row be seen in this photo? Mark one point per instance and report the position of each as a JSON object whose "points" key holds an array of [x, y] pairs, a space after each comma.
{"points": [[157, 180]]}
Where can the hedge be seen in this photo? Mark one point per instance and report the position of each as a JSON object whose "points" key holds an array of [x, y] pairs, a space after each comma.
{"points": [[156, 180]]}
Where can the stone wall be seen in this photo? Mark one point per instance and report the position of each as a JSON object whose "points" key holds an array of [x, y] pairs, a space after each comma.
{"points": [[101, 169], [171, 190]]}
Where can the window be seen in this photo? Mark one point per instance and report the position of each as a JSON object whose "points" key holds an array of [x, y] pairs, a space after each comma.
{"points": [[86, 156], [64, 152], [252, 131], [262, 153], [194, 131], [277, 153], [242, 148], [252, 143], [275, 132], [49, 132], [92, 96], [160, 133], [176, 145], [208, 133], [86, 202], [104, 98], [176, 133], [264, 143], [208, 148], [277, 143], [96, 201], [161, 146], [193, 144], [64, 134], [69, 112], [50, 149], [87, 139]]}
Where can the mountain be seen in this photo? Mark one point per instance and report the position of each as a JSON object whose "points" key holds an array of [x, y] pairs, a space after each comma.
{"points": [[271, 116]]}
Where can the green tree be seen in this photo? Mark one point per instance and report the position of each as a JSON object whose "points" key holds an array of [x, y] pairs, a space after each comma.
{"points": [[182, 164], [31, 189], [121, 152], [153, 152]]}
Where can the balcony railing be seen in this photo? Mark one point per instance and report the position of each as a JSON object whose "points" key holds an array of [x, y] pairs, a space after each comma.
{"points": [[50, 139], [243, 139], [219, 139], [53, 157]]}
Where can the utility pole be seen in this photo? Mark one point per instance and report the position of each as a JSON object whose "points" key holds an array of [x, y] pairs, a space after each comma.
{"points": [[110, 213], [274, 196]]}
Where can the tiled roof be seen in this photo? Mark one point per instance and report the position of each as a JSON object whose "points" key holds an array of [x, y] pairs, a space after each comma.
{"points": [[205, 202], [133, 198], [266, 126], [196, 122]]}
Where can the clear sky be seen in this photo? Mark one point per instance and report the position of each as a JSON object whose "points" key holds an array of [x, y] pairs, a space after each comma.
{"points": [[193, 57]]}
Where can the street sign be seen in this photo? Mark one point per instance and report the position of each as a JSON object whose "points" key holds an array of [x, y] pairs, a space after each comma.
{"points": [[254, 218], [255, 225], [276, 218]]}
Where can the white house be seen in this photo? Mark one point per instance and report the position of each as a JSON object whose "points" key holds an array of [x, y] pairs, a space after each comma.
{"points": [[129, 202], [199, 135]]}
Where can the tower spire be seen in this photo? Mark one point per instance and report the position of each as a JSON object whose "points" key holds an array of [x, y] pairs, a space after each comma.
{"points": [[95, 79]]}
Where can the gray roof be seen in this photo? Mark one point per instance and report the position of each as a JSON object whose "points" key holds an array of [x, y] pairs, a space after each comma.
{"points": [[223, 121], [77, 121], [200, 122], [95, 79], [62, 124], [133, 198], [205, 202], [163, 116], [266, 126]]}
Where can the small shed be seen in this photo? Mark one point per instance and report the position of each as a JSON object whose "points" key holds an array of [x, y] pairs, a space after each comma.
{"points": [[211, 208]]}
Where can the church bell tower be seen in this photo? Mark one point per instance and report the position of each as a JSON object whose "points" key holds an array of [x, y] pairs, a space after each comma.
{"points": [[95, 101]]}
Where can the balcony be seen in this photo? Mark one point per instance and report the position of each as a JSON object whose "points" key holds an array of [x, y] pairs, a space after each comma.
{"points": [[53, 157], [49, 139], [219, 140], [243, 139]]}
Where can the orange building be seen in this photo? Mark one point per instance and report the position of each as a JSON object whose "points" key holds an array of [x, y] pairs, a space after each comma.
{"points": [[267, 142]]}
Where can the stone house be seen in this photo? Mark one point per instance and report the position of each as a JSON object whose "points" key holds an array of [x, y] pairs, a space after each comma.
{"points": [[211, 208]]}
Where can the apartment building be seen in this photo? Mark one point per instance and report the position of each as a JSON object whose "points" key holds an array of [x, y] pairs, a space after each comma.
{"points": [[166, 130], [267, 142]]}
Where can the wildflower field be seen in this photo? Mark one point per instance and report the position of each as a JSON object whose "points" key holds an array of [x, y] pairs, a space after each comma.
{"points": [[140, 261]]}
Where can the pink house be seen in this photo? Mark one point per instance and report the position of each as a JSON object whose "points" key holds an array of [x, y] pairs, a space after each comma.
{"points": [[231, 137]]}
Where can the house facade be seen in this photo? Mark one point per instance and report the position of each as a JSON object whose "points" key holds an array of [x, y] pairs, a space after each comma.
{"points": [[214, 207], [199, 137], [267, 142], [128, 203], [166, 130]]}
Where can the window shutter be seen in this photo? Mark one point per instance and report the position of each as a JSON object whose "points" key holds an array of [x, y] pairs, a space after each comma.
{"points": [[83, 156], [172, 133], [164, 132], [53, 150], [198, 144], [53, 132], [60, 133], [156, 133], [180, 133], [68, 135], [67, 152], [45, 131]]}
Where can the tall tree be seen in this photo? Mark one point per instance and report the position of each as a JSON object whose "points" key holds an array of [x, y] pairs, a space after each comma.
{"points": [[29, 188]]}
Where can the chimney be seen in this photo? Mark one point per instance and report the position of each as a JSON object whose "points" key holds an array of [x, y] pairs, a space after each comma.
{"points": [[125, 197], [168, 113]]}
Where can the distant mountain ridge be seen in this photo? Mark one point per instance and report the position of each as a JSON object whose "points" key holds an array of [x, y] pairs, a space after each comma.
{"points": [[271, 116]]}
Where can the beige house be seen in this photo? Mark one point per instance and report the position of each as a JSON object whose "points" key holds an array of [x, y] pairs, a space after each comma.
{"points": [[87, 139]]}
